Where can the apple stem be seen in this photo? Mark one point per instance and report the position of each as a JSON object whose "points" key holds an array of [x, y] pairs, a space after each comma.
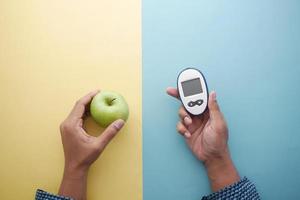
{"points": [[112, 101]]}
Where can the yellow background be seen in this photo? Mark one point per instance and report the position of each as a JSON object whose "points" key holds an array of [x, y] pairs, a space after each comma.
{"points": [[51, 54]]}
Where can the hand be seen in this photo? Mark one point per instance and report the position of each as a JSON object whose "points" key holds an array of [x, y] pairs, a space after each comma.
{"points": [[81, 149], [207, 136]]}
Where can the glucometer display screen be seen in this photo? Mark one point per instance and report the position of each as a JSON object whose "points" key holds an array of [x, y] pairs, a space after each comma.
{"points": [[191, 87]]}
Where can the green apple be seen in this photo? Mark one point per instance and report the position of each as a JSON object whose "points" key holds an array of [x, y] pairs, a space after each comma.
{"points": [[108, 106]]}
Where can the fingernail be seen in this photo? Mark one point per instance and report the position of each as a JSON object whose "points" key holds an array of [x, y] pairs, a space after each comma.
{"points": [[167, 90], [187, 120], [187, 134], [214, 95], [119, 124]]}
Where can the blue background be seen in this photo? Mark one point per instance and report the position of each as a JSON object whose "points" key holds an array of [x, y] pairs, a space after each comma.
{"points": [[249, 52]]}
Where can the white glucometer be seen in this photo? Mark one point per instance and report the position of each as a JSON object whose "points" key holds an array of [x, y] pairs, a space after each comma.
{"points": [[193, 91]]}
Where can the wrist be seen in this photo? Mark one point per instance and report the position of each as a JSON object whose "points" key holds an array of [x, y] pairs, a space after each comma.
{"points": [[74, 182], [217, 160], [75, 172], [221, 171]]}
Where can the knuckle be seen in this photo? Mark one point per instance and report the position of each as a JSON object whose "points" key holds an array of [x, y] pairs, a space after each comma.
{"points": [[65, 127], [104, 142], [95, 148], [78, 102], [221, 128], [111, 133], [224, 127], [62, 126], [179, 127], [113, 129], [181, 112]]}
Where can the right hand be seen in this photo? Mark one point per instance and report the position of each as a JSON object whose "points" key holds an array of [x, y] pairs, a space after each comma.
{"points": [[207, 136]]}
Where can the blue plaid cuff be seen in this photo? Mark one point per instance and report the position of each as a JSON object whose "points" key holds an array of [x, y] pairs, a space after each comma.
{"points": [[243, 189], [42, 195]]}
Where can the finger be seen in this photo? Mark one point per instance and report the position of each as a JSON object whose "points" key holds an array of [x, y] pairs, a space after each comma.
{"points": [[214, 109], [185, 117], [80, 106], [110, 132], [80, 122], [172, 92], [183, 130]]}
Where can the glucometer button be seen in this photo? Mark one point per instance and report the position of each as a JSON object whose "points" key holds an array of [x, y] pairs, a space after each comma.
{"points": [[191, 104], [194, 103]]}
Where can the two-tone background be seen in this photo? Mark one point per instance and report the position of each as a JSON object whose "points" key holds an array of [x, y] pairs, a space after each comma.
{"points": [[53, 52]]}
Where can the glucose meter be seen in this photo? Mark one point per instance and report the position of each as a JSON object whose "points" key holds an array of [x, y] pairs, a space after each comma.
{"points": [[193, 91]]}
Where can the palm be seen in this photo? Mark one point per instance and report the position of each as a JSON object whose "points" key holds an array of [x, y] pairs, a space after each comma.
{"points": [[207, 137], [207, 134]]}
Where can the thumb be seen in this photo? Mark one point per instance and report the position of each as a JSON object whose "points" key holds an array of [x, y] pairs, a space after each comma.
{"points": [[110, 132], [214, 109]]}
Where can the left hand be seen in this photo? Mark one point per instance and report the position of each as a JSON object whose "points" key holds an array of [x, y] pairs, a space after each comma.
{"points": [[81, 149]]}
